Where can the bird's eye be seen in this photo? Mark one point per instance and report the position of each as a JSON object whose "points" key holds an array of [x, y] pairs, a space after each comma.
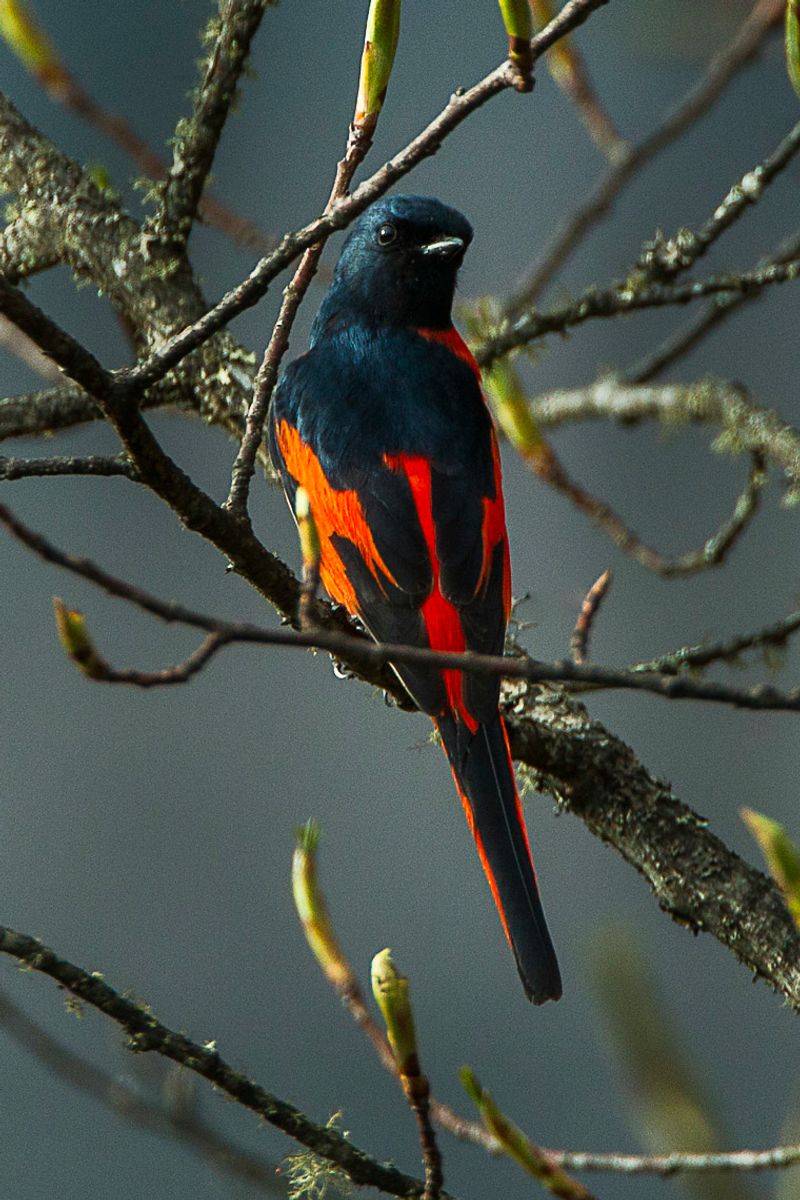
{"points": [[387, 234]]}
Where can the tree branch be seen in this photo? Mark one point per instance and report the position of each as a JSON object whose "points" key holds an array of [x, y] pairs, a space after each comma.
{"points": [[678, 344], [623, 299], [94, 464], [693, 875], [163, 1119], [745, 427], [196, 139], [743, 48], [147, 1034], [291, 245], [360, 653]]}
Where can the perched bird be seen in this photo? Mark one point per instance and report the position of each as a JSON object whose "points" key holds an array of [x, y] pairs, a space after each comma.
{"points": [[384, 424]]}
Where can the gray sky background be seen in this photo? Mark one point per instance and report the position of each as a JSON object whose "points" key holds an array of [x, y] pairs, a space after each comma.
{"points": [[149, 835]]}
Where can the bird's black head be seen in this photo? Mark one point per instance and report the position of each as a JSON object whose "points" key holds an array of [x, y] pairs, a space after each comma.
{"points": [[398, 265]]}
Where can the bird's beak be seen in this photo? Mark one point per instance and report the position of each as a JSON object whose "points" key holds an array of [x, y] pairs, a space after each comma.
{"points": [[444, 248]]}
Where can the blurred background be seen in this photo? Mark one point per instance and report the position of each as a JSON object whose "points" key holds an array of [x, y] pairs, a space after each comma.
{"points": [[148, 835]]}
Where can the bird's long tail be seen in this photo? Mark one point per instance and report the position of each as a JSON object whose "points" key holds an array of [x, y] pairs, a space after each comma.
{"points": [[484, 775]]}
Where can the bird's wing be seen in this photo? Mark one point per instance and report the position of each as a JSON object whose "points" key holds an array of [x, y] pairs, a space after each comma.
{"points": [[411, 527]]}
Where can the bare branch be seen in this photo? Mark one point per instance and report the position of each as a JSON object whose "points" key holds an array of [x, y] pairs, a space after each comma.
{"points": [[579, 643], [695, 658], [745, 427], [147, 1034], [427, 143], [361, 653], [197, 138], [740, 51], [678, 1161], [712, 553], [26, 468], [623, 299], [15, 342], [677, 345], [694, 877], [163, 1119]]}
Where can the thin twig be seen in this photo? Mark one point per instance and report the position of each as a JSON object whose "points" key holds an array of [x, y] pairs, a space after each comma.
{"points": [[581, 634], [711, 554], [361, 652], [147, 1034], [196, 140], [663, 260], [678, 1161], [568, 68], [358, 143], [622, 300], [739, 52], [745, 426], [695, 658], [163, 1119], [93, 464], [679, 344]]}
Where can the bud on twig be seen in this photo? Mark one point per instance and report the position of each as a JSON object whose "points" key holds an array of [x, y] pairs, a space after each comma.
{"points": [[391, 993], [519, 27], [74, 637], [380, 44], [310, 550], [782, 858], [312, 909], [516, 1145]]}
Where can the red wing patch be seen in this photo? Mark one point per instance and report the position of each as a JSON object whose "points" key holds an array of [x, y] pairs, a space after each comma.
{"points": [[494, 532], [453, 341], [442, 620], [335, 511]]}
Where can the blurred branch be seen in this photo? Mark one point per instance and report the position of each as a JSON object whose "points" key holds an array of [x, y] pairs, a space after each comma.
{"points": [[162, 1119], [345, 982], [671, 1105], [197, 137], [98, 237], [739, 52], [63, 87], [569, 70], [664, 259], [675, 347], [667, 1165], [15, 342], [581, 634], [147, 1034], [94, 464], [744, 427], [461, 105]]}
